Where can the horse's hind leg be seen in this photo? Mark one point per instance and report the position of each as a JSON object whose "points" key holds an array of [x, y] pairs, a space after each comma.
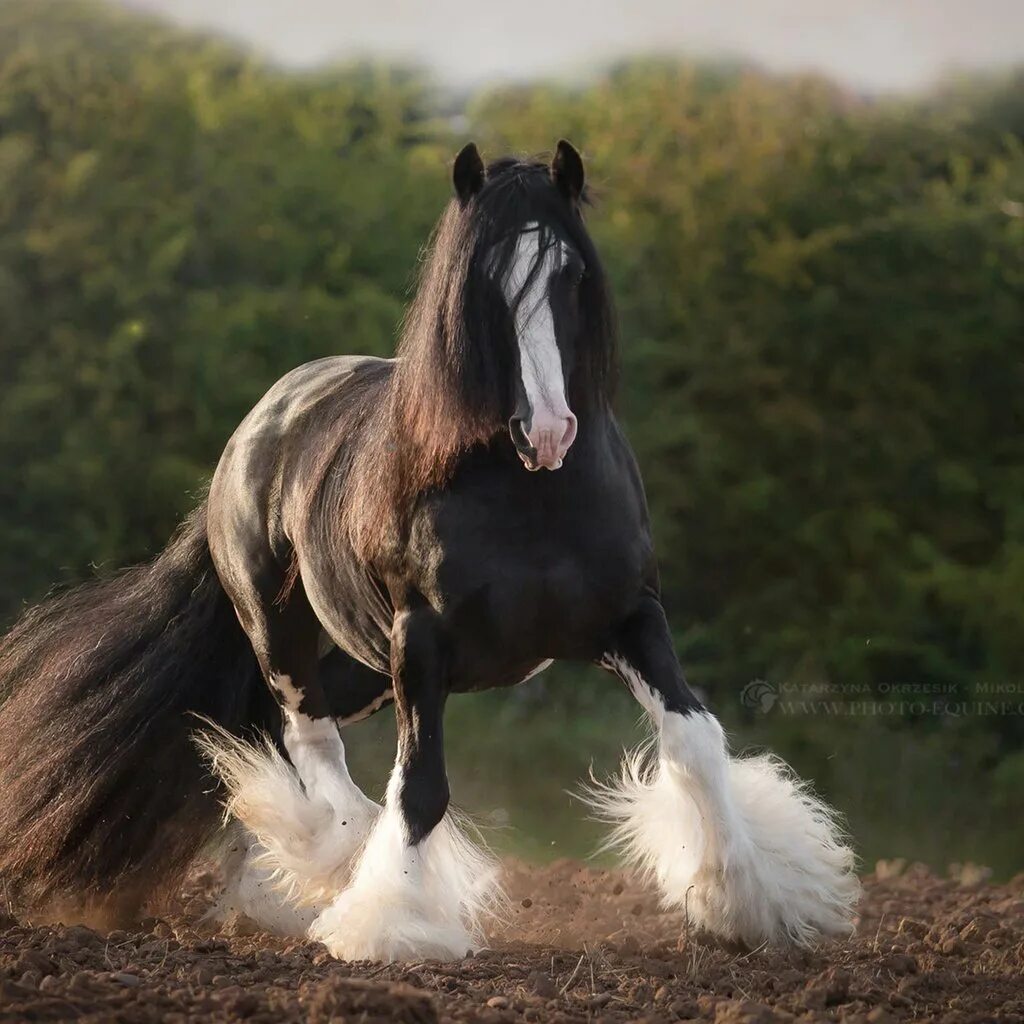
{"points": [[308, 821], [421, 887], [738, 844]]}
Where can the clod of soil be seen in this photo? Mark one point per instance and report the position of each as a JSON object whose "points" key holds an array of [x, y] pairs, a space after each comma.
{"points": [[580, 945]]}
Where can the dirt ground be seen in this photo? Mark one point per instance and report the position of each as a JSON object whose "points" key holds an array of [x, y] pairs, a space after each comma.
{"points": [[582, 945]]}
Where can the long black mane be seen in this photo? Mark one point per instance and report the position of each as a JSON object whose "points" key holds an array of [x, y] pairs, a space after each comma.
{"points": [[451, 389]]}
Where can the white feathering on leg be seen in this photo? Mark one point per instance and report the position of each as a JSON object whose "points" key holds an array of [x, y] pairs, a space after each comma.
{"points": [[739, 844], [405, 902], [307, 845], [251, 890]]}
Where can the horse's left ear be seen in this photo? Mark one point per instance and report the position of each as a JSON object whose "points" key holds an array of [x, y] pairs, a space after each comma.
{"points": [[567, 170], [468, 173]]}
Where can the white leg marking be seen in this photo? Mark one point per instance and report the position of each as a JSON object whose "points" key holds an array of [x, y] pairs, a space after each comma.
{"points": [[318, 753], [739, 843], [409, 902]]}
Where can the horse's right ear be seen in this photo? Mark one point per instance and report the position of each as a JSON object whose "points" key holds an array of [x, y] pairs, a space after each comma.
{"points": [[468, 173], [567, 171]]}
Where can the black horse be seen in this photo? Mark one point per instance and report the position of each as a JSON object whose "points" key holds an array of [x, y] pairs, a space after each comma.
{"points": [[383, 532]]}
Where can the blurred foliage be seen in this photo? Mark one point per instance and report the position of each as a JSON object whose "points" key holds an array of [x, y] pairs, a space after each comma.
{"points": [[178, 228], [821, 298]]}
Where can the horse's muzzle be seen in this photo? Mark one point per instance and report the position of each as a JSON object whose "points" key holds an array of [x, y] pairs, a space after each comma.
{"points": [[543, 441]]}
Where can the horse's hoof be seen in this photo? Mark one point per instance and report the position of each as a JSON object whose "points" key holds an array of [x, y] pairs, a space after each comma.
{"points": [[362, 925]]}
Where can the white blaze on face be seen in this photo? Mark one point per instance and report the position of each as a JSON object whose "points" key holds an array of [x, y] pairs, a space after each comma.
{"points": [[552, 426]]}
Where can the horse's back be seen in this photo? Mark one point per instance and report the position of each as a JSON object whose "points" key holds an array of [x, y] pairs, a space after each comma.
{"points": [[311, 387]]}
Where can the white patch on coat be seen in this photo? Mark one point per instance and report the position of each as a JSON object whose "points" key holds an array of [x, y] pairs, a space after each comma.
{"points": [[538, 669], [739, 844], [375, 705], [289, 694], [540, 361]]}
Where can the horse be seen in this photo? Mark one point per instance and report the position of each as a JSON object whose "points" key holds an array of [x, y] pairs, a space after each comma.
{"points": [[393, 531]]}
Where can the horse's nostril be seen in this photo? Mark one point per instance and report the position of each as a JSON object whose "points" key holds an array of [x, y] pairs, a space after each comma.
{"points": [[517, 428], [521, 439], [570, 433]]}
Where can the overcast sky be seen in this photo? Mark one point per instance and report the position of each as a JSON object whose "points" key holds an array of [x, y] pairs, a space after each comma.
{"points": [[873, 44]]}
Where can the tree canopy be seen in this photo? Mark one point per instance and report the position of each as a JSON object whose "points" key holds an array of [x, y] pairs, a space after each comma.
{"points": [[821, 300]]}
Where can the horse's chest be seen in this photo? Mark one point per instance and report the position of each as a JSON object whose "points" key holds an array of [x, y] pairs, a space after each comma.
{"points": [[516, 586]]}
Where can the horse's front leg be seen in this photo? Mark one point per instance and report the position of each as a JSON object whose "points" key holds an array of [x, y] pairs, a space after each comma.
{"points": [[421, 887], [738, 844]]}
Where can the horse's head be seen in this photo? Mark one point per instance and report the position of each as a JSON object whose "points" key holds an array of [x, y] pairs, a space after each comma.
{"points": [[510, 336], [534, 296]]}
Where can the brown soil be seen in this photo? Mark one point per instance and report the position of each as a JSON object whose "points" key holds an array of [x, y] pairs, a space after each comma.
{"points": [[582, 945]]}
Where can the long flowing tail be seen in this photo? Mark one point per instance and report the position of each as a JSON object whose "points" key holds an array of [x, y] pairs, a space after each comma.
{"points": [[102, 794]]}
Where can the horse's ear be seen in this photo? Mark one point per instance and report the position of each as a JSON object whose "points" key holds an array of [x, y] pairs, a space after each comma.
{"points": [[468, 173], [567, 170]]}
